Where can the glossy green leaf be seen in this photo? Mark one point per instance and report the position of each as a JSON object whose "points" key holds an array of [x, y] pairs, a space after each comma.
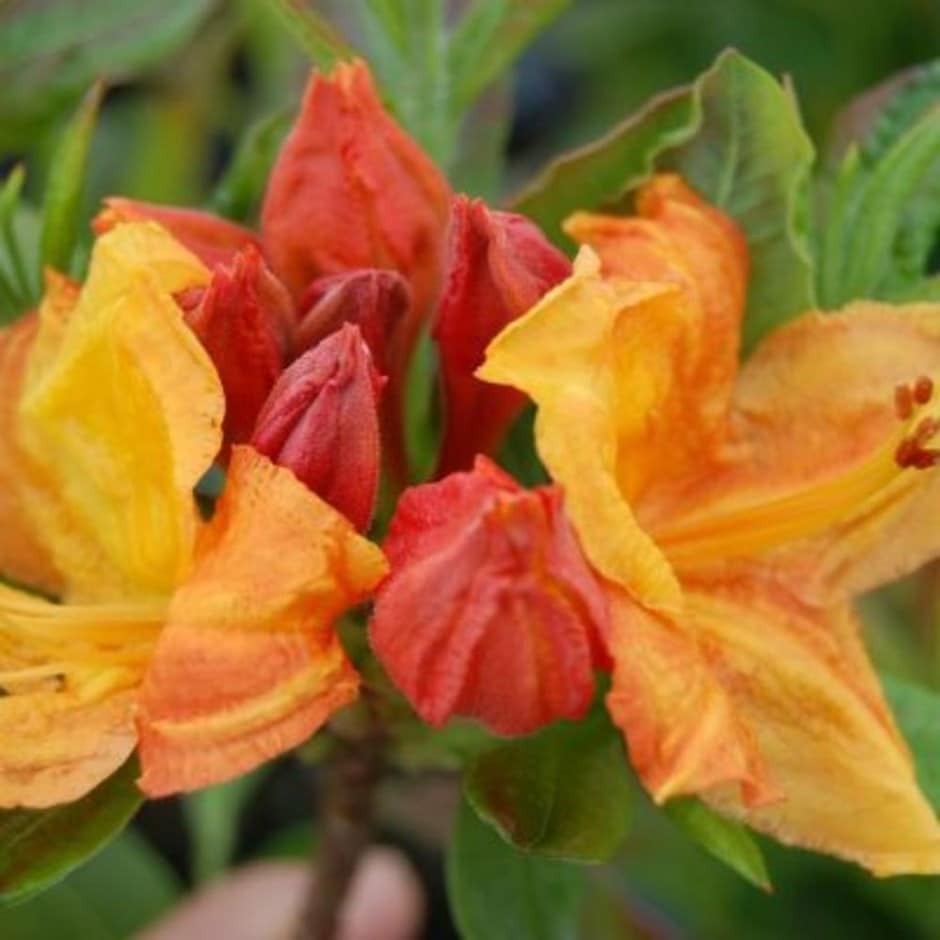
{"points": [[212, 816], [498, 891], [729, 842], [118, 893], [736, 136], [489, 38], [39, 847], [313, 32], [240, 191], [51, 51], [563, 792], [917, 712], [17, 283], [66, 183]]}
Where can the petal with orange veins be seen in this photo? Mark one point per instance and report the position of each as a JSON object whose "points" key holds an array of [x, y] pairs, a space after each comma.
{"points": [[68, 676], [121, 413], [679, 722], [799, 678], [24, 555], [812, 479], [678, 238], [595, 357], [249, 664]]}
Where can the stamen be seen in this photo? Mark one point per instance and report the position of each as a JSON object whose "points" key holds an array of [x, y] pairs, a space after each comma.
{"points": [[903, 402], [923, 390]]}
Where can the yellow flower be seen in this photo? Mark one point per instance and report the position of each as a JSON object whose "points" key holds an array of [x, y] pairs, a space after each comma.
{"points": [[208, 644], [734, 514]]}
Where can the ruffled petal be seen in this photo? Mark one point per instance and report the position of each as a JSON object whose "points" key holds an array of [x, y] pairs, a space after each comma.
{"points": [[810, 480], [595, 357], [121, 412], [799, 678], [249, 663], [677, 238]]}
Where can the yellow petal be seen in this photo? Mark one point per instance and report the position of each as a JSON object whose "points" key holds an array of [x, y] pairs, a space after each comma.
{"points": [[679, 722], [809, 479], [24, 555], [249, 664], [798, 677], [68, 676], [677, 238], [121, 413], [589, 356]]}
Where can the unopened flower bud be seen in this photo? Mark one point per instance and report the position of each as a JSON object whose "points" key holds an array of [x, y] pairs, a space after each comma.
{"points": [[321, 421], [499, 265], [243, 319], [490, 610]]}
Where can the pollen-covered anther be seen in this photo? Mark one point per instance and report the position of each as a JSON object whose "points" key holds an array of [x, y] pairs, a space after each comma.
{"points": [[922, 390], [903, 401], [913, 451]]}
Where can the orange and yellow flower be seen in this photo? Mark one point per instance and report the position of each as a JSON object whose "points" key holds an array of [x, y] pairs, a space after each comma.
{"points": [[207, 644], [734, 513]]}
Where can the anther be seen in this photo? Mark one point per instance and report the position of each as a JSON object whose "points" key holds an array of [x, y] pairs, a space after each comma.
{"points": [[903, 402], [925, 431], [923, 390], [906, 453]]}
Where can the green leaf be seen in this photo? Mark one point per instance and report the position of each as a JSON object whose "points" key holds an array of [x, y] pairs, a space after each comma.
{"points": [[212, 817], [736, 136], [564, 792], [313, 32], [729, 842], [489, 38], [51, 51], [917, 712], [241, 189], [63, 201], [16, 288], [39, 847], [604, 171], [120, 892], [497, 891]]}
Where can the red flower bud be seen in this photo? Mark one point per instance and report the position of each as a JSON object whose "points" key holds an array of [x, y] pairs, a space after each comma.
{"points": [[243, 319], [321, 421], [213, 240], [499, 265], [376, 301], [490, 609], [350, 189]]}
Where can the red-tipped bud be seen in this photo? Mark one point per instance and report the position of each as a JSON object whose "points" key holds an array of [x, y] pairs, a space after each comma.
{"points": [[499, 265], [321, 421], [375, 301], [243, 319], [213, 240], [490, 610], [350, 189]]}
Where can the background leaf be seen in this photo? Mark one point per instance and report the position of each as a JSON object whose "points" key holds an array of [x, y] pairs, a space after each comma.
{"points": [[51, 52], [212, 817], [316, 35], [39, 847], [118, 893], [736, 136], [563, 792], [498, 891], [917, 712], [63, 196], [728, 841]]}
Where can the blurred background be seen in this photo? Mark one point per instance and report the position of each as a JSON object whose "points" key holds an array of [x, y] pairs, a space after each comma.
{"points": [[187, 80]]}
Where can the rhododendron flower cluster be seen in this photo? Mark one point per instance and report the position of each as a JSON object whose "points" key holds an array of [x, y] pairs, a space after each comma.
{"points": [[692, 561]]}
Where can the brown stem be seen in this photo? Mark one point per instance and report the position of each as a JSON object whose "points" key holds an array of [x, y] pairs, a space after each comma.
{"points": [[352, 772]]}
